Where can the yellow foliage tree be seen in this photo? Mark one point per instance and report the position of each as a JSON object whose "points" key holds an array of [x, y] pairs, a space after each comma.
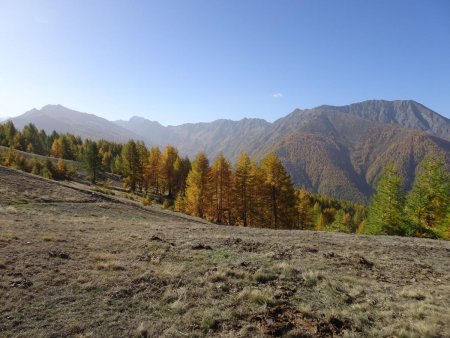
{"points": [[220, 190], [277, 193], [197, 187]]}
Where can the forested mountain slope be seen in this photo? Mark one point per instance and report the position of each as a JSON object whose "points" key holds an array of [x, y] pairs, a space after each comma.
{"points": [[337, 151], [343, 155]]}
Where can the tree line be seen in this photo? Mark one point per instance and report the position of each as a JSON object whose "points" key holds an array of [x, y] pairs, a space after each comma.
{"points": [[64, 147], [245, 194]]}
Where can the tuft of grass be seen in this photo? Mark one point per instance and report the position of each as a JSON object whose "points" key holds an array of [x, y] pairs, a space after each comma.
{"points": [[260, 296], [235, 274], [2, 264], [217, 277], [285, 270], [412, 330], [312, 278], [209, 323], [142, 331], [110, 266], [179, 305], [102, 257], [263, 276], [412, 294], [48, 238]]}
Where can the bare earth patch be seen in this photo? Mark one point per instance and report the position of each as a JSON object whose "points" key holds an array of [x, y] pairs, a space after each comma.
{"points": [[78, 263]]}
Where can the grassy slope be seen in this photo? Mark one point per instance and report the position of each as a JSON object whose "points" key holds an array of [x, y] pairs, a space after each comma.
{"points": [[73, 263]]}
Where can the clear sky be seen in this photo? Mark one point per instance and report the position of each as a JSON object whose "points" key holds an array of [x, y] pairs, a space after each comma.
{"points": [[179, 61]]}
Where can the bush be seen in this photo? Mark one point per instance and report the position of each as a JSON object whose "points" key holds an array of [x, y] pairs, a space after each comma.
{"points": [[147, 200], [166, 204], [180, 203]]}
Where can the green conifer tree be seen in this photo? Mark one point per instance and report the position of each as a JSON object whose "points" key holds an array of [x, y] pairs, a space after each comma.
{"points": [[92, 160], [429, 199], [385, 215]]}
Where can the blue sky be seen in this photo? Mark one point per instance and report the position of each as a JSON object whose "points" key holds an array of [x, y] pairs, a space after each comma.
{"points": [[179, 61]]}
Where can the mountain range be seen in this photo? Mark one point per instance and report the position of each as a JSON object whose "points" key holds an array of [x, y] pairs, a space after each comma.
{"points": [[334, 150]]}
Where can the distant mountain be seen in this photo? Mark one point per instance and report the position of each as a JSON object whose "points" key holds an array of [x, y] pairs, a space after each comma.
{"points": [[152, 132], [342, 155], [225, 136], [337, 151], [405, 113], [62, 119]]}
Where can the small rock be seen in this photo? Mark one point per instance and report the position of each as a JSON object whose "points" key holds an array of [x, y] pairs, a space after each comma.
{"points": [[201, 247], [58, 253], [21, 283], [365, 262]]}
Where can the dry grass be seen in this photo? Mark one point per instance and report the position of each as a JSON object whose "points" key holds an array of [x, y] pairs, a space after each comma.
{"points": [[311, 278], [138, 271]]}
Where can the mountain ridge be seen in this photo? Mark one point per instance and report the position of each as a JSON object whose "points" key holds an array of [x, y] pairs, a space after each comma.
{"points": [[63, 119], [334, 150]]}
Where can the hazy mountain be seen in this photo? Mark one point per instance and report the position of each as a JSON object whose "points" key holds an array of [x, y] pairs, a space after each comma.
{"points": [[62, 119], [226, 136], [150, 131], [338, 151]]}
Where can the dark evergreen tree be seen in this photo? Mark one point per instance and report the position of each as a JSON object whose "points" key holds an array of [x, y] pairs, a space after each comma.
{"points": [[92, 160]]}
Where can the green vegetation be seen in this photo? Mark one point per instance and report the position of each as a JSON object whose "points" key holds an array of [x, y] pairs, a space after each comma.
{"points": [[386, 208], [91, 160], [248, 194], [423, 212]]}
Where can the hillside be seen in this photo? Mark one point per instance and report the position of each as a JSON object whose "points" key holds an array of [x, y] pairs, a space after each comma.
{"points": [[336, 151], [74, 262]]}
